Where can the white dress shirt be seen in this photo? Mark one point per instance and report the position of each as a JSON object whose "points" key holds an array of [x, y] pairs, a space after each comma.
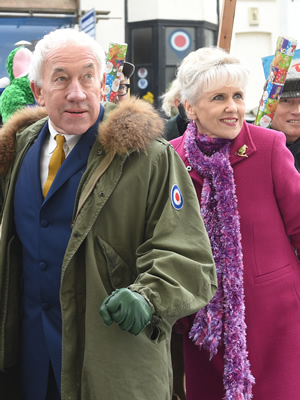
{"points": [[49, 147]]}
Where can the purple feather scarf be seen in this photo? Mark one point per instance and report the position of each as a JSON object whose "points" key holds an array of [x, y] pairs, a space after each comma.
{"points": [[225, 314]]}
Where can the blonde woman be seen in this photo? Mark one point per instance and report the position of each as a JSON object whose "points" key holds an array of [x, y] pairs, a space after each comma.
{"points": [[249, 195]]}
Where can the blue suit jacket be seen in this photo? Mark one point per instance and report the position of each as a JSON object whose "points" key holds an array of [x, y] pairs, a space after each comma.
{"points": [[44, 228]]}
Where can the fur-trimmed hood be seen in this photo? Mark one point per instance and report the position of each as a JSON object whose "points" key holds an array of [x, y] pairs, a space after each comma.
{"points": [[130, 126]]}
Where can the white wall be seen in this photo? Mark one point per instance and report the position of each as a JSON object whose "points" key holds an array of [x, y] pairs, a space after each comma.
{"points": [[291, 15], [250, 47], [139, 10], [111, 27], [173, 9]]}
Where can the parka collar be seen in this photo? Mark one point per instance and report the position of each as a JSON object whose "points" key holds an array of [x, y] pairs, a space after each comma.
{"points": [[128, 127]]}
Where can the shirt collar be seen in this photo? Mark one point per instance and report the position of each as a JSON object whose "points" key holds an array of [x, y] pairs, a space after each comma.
{"points": [[70, 140]]}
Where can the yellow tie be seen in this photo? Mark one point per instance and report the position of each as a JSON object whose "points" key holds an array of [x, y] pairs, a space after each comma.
{"points": [[55, 162]]}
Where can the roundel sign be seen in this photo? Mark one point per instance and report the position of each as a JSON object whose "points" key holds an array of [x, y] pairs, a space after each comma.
{"points": [[296, 67], [180, 41], [176, 197]]}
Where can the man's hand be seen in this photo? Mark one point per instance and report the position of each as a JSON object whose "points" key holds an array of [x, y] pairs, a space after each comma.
{"points": [[128, 309]]}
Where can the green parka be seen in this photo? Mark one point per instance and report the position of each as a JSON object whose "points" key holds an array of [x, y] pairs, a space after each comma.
{"points": [[125, 233]]}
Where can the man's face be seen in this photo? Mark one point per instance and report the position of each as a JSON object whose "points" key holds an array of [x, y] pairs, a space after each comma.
{"points": [[122, 88], [71, 90], [287, 118]]}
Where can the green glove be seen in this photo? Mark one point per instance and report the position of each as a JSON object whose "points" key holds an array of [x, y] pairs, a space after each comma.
{"points": [[128, 309]]}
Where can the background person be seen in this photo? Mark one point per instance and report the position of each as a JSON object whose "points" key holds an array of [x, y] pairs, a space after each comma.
{"points": [[171, 99], [249, 194], [109, 234], [128, 70], [287, 114], [174, 109]]}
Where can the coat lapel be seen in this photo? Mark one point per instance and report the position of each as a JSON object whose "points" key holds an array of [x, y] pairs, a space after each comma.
{"points": [[33, 157], [78, 157], [242, 147]]}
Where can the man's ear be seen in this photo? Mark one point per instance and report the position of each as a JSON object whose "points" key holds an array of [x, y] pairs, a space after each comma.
{"points": [[102, 86], [37, 92], [190, 111]]}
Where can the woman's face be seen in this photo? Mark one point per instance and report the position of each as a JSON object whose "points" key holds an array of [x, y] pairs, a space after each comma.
{"points": [[219, 113]]}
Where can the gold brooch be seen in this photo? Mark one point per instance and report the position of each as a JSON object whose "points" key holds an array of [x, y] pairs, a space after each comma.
{"points": [[242, 151]]}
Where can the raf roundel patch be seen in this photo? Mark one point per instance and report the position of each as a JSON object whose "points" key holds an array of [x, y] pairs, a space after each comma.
{"points": [[176, 198]]}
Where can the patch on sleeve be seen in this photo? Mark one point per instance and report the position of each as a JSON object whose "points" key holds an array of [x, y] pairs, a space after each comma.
{"points": [[176, 198]]}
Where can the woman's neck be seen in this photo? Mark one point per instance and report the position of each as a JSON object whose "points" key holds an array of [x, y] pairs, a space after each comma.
{"points": [[209, 145]]}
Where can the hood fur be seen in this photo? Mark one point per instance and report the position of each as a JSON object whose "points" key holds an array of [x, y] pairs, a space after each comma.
{"points": [[131, 126], [20, 120]]}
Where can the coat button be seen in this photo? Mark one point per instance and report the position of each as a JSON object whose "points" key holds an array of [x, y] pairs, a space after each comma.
{"points": [[46, 306], [44, 223], [43, 266]]}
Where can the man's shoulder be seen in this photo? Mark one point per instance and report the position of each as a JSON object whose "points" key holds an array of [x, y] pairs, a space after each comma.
{"points": [[171, 129], [24, 117], [19, 127], [131, 126]]}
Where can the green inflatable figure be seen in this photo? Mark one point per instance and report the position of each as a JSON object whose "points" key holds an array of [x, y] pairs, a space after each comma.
{"points": [[18, 94]]}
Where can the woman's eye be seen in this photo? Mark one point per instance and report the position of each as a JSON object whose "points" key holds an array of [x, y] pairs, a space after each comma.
{"points": [[238, 96], [218, 97]]}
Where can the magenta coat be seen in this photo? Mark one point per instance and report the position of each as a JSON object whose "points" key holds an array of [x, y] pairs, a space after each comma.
{"points": [[268, 193]]}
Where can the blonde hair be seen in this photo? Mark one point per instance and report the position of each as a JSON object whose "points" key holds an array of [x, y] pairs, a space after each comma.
{"points": [[168, 98], [207, 69]]}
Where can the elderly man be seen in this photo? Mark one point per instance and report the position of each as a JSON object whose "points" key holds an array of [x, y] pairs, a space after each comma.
{"points": [[98, 216]]}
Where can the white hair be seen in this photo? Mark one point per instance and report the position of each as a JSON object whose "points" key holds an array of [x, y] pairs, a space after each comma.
{"points": [[168, 98], [61, 38], [207, 69]]}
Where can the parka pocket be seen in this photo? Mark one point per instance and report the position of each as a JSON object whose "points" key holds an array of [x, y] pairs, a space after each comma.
{"points": [[120, 274]]}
